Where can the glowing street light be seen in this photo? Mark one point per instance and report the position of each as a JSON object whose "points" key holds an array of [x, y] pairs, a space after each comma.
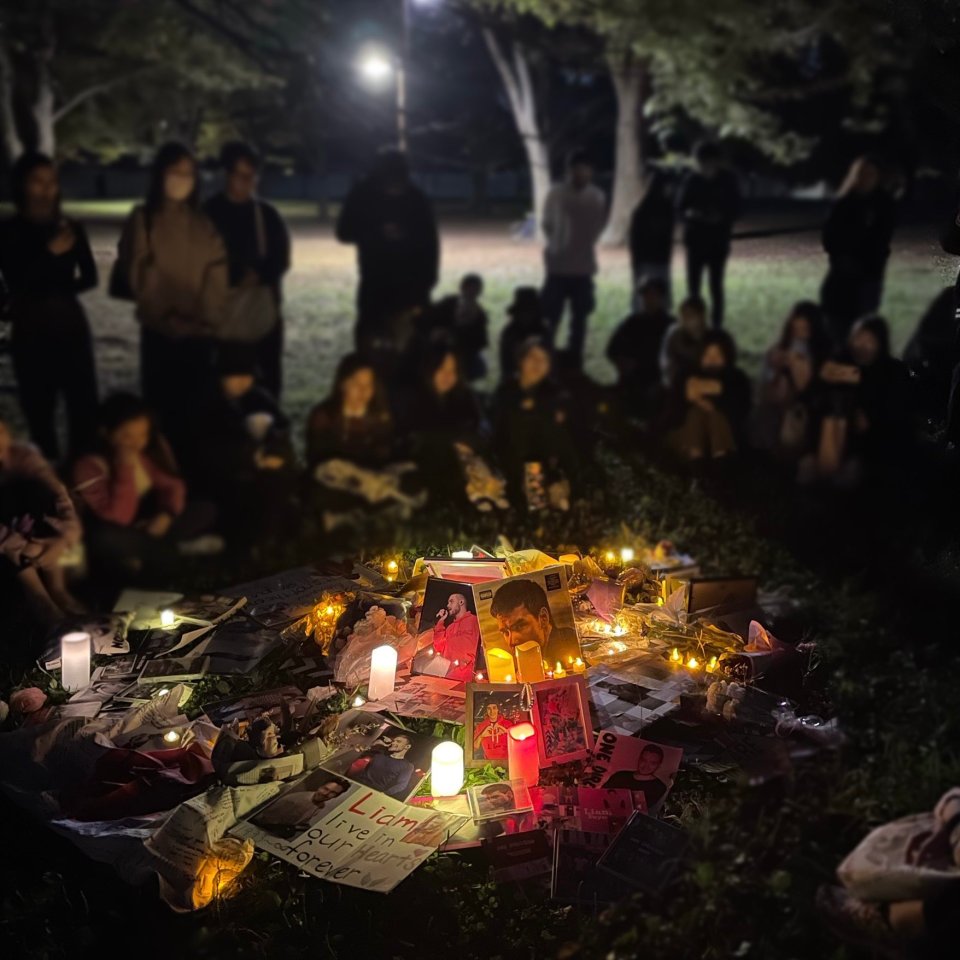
{"points": [[375, 65]]}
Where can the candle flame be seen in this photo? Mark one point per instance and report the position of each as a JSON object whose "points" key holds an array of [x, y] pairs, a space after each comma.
{"points": [[675, 656], [693, 663], [712, 665], [392, 565]]}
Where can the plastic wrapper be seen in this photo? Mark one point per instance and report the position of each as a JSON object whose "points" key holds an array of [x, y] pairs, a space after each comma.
{"points": [[369, 622]]}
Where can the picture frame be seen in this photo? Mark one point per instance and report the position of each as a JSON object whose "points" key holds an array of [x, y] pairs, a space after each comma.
{"points": [[561, 718], [508, 698], [476, 570], [527, 625], [448, 637]]}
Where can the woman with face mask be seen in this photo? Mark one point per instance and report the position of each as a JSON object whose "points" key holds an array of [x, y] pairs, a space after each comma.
{"points": [[46, 262], [175, 267]]}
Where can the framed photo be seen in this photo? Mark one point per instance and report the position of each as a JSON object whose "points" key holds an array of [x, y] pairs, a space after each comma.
{"points": [[448, 641], [530, 616], [561, 719], [492, 709], [477, 570], [490, 801]]}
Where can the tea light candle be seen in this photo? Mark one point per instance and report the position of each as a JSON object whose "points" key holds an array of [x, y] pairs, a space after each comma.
{"points": [[627, 554], [75, 661], [167, 619], [446, 770], [579, 666], [462, 555], [358, 701], [499, 665], [522, 761], [529, 662], [171, 736], [558, 671], [383, 672]]}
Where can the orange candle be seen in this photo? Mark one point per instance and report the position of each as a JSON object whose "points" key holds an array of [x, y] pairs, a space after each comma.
{"points": [[522, 760]]}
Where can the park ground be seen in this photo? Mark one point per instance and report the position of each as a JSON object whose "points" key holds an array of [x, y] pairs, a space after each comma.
{"points": [[873, 576]]}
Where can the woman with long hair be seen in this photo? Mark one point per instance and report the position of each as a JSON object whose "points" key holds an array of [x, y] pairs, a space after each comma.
{"points": [[856, 238], [46, 263], [173, 264]]}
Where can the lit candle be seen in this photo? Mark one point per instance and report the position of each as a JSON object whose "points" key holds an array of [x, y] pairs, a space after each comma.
{"points": [[167, 618], [522, 761], [383, 672], [693, 663], [171, 736], [579, 666], [558, 671], [499, 665], [610, 557], [75, 661], [446, 770], [627, 554], [462, 555], [529, 662], [358, 701], [675, 656], [712, 665]]}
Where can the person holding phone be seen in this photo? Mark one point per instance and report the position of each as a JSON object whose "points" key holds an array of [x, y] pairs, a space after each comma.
{"points": [[46, 262]]}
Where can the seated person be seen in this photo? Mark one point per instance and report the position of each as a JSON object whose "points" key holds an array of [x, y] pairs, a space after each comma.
{"points": [[680, 351], [461, 322], [532, 437], [708, 408], [351, 438], [634, 349], [526, 322], [38, 524], [138, 517], [782, 417], [863, 406], [442, 417], [242, 452]]}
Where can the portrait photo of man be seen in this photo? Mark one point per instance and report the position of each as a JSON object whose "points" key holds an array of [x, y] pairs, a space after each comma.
{"points": [[294, 812], [644, 779], [456, 636], [490, 734], [523, 613]]}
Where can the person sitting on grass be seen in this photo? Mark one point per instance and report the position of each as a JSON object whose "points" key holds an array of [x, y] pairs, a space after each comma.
{"points": [[350, 449], [135, 502], [708, 409], [634, 349], [787, 382], [864, 409], [680, 350], [526, 322], [442, 416], [244, 459], [532, 435], [461, 322], [38, 524]]}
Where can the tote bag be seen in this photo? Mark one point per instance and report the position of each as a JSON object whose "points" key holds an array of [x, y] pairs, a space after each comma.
{"points": [[251, 312]]}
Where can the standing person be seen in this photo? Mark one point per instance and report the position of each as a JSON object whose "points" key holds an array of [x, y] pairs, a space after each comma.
{"points": [[709, 205], [456, 636], [651, 237], [46, 262], [391, 222], [857, 238], [258, 247], [573, 217], [172, 263]]}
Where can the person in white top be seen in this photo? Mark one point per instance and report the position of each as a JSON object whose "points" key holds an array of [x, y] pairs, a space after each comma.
{"points": [[574, 214]]}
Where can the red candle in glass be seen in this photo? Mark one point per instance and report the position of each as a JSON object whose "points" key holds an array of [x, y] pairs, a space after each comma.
{"points": [[522, 760]]}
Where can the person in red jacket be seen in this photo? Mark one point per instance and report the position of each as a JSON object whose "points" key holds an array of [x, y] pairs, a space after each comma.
{"points": [[456, 636], [136, 503]]}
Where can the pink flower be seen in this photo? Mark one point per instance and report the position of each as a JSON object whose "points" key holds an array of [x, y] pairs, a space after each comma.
{"points": [[27, 700]]}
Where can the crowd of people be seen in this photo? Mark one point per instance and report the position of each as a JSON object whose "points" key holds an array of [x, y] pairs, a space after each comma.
{"points": [[204, 453]]}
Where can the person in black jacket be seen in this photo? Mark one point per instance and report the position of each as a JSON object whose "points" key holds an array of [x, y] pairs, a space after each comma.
{"points": [[460, 322], [526, 322], [46, 262], [857, 238], [258, 246], [531, 430], [651, 236], [709, 204], [634, 349], [950, 242], [708, 408], [391, 222], [243, 456]]}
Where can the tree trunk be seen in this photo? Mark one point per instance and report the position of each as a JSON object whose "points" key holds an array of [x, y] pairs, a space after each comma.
{"points": [[12, 144], [44, 117], [629, 77], [517, 80]]}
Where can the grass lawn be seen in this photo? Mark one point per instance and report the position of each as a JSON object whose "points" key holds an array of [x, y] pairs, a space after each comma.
{"points": [[884, 665]]}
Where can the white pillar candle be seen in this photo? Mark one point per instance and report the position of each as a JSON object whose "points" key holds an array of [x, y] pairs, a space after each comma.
{"points": [[462, 555], [446, 770], [523, 763], [383, 672], [75, 661]]}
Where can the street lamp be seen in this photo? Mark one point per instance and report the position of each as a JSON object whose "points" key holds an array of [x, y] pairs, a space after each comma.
{"points": [[375, 65]]}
